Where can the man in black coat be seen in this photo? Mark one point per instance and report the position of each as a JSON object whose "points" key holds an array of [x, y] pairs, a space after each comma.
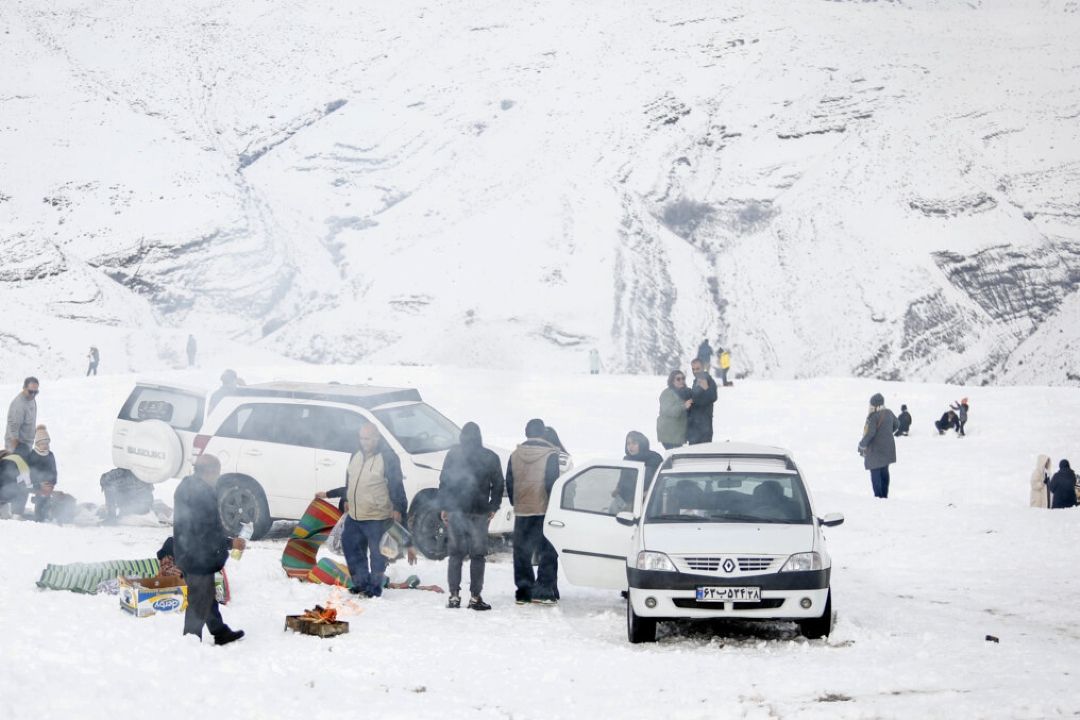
{"points": [[202, 547], [903, 422], [699, 419], [470, 493], [1063, 487]]}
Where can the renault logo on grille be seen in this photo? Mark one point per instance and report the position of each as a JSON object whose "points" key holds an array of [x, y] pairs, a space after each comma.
{"points": [[729, 565]]}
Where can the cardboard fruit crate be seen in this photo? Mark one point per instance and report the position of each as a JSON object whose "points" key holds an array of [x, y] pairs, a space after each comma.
{"points": [[320, 629]]}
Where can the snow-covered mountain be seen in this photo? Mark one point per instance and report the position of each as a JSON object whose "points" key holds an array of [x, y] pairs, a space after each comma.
{"points": [[884, 189]]}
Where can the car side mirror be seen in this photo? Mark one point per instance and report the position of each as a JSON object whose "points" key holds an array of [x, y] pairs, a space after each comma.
{"points": [[625, 518], [832, 520]]}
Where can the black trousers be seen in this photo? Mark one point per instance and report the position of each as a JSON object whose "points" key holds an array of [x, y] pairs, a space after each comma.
{"points": [[468, 537], [202, 606], [529, 539]]}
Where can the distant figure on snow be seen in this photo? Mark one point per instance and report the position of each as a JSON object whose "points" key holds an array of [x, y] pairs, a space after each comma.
{"points": [[723, 358], [699, 418], [878, 445], [229, 382], [1040, 478], [674, 404], [1063, 487], [94, 357], [192, 348], [947, 421], [903, 422], [594, 362], [705, 354], [961, 409]]}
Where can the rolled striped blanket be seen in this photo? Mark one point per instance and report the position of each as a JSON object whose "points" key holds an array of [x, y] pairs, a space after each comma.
{"points": [[307, 537], [85, 577]]}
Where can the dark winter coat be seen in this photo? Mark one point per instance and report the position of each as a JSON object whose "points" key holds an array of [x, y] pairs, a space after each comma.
{"points": [[537, 461], [201, 543], [652, 460], [705, 353], [1063, 488], [699, 419], [903, 423], [471, 480], [42, 468], [878, 446]]}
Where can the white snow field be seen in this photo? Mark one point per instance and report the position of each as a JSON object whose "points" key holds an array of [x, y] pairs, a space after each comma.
{"points": [[955, 554]]}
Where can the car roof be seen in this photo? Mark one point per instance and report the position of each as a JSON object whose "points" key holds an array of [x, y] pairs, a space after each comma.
{"points": [[367, 396], [706, 453], [171, 385]]}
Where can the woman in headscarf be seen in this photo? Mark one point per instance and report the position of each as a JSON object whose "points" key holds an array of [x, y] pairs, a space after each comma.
{"points": [[1063, 487], [674, 404], [637, 450], [1040, 477]]}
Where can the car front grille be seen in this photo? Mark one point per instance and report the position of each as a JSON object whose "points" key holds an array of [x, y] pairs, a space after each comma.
{"points": [[716, 564], [691, 604]]}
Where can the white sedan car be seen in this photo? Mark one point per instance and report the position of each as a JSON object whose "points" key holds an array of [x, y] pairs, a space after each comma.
{"points": [[724, 530]]}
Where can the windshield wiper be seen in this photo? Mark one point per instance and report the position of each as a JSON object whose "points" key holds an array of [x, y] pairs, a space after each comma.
{"points": [[676, 518]]}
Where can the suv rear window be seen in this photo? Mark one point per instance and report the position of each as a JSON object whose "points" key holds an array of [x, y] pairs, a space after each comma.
{"points": [[180, 410]]}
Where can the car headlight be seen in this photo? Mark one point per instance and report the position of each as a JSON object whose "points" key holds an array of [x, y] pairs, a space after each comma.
{"points": [[654, 561], [803, 561]]}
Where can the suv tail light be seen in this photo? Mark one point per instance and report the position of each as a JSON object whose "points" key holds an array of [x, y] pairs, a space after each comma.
{"points": [[199, 444]]}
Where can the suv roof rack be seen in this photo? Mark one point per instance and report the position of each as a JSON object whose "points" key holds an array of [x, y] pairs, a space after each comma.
{"points": [[729, 456], [366, 396]]}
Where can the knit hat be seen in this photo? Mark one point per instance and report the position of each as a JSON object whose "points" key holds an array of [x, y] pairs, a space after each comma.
{"points": [[41, 435], [877, 400]]}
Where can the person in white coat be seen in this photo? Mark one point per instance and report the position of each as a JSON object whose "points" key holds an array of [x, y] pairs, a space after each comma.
{"points": [[1040, 495]]}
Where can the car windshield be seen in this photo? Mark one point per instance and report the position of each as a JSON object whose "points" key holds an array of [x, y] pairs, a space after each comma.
{"points": [[419, 427], [728, 497]]}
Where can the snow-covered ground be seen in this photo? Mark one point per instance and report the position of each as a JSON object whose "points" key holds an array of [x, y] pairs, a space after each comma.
{"points": [[920, 579]]}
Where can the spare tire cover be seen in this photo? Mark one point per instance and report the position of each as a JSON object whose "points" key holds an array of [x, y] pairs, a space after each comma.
{"points": [[154, 452]]}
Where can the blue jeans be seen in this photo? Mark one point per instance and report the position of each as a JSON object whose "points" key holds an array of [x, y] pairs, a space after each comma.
{"points": [[360, 538], [879, 478], [529, 540]]}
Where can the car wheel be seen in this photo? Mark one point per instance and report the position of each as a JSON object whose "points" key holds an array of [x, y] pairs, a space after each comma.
{"points": [[428, 531], [241, 500], [639, 629], [819, 627]]}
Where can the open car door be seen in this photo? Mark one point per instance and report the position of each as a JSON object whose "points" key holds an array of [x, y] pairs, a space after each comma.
{"points": [[581, 524]]}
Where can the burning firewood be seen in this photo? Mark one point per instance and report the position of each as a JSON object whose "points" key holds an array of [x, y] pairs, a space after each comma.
{"points": [[320, 615]]}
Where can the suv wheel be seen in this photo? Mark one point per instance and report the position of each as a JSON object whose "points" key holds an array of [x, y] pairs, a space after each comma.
{"points": [[819, 627], [428, 531], [241, 500], [639, 629]]}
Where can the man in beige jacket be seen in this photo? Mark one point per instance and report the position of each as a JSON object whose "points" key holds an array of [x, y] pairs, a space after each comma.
{"points": [[530, 474]]}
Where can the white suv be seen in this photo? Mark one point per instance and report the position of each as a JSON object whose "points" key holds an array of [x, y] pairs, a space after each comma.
{"points": [[725, 530], [279, 443]]}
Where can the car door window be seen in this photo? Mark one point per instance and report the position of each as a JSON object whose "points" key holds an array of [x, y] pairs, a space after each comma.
{"points": [[336, 429], [600, 490]]}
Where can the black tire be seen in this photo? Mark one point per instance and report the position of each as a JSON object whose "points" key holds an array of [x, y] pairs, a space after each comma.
{"points": [[240, 500], [819, 627], [639, 629], [427, 529]]}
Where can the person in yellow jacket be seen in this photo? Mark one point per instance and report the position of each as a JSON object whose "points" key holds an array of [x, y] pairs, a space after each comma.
{"points": [[724, 358]]}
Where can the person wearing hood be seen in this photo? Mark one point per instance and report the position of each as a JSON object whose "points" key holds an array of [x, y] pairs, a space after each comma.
{"points": [[42, 464], [530, 475], [699, 418], [470, 492], [878, 445], [674, 405], [637, 450], [565, 462], [903, 422], [1063, 487], [1040, 479]]}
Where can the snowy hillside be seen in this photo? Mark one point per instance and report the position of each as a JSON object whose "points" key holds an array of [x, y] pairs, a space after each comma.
{"points": [[920, 580], [832, 188]]}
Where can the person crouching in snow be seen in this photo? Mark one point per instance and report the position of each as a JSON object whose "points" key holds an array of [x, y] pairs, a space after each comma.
{"points": [[1063, 487], [42, 464], [903, 422], [470, 493], [947, 421], [878, 446], [202, 547]]}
